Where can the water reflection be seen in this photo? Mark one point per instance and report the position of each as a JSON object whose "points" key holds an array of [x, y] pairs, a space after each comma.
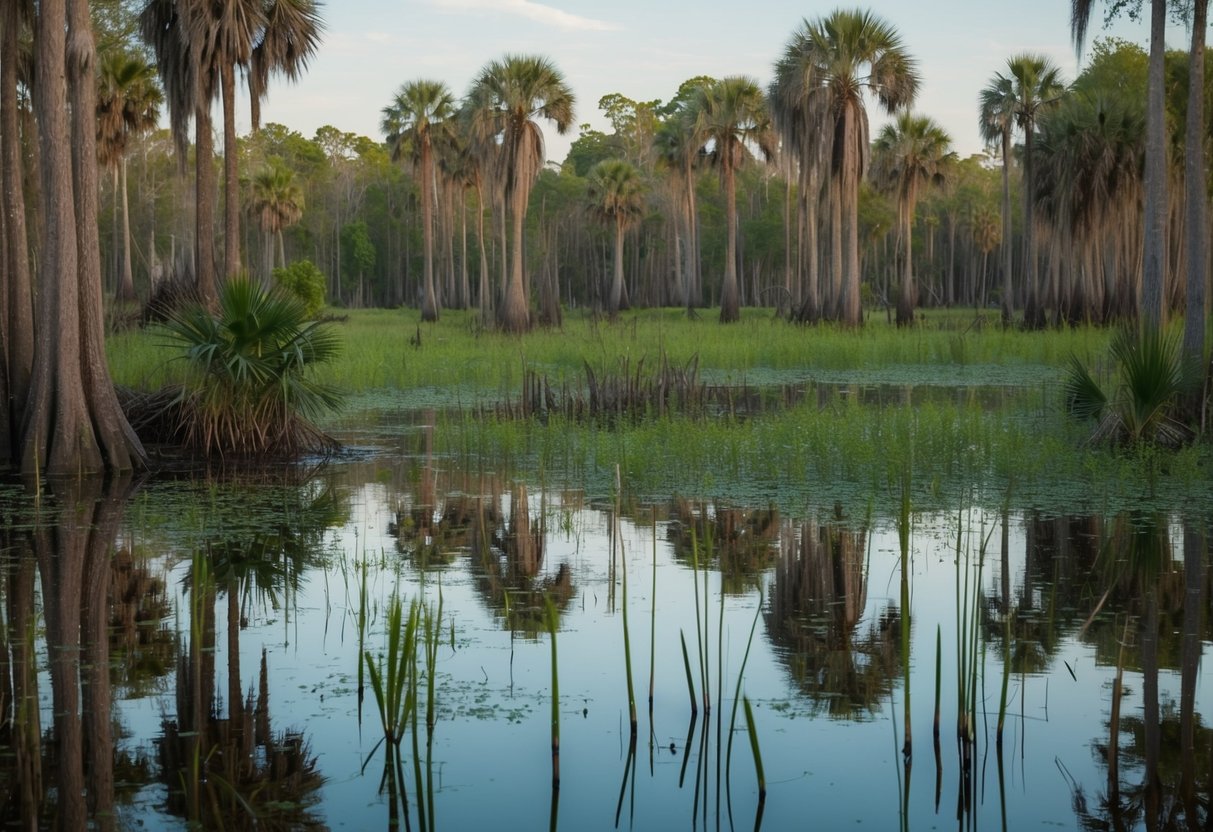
{"points": [[816, 604]]}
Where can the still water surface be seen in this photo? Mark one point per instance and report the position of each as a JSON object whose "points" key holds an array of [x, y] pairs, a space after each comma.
{"points": [[228, 617]]}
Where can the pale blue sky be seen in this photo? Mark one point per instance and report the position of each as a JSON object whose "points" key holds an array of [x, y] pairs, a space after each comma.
{"points": [[645, 48]]}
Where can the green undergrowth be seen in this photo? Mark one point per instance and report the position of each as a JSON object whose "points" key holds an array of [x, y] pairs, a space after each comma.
{"points": [[390, 350], [846, 453]]}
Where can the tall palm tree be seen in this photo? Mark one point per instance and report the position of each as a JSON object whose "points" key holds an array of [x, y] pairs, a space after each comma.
{"points": [[678, 151], [797, 113], [507, 97], [189, 74], [730, 115], [846, 56], [128, 105], [911, 152], [285, 45], [615, 193], [419, 113], [1037, 86], [1154, 265], [996, 105], [275, 203]]}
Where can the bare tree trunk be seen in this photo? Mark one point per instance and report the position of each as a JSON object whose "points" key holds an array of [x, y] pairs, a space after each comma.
{"points": [[852, 314], [126, 280], [1154, 270], [429, 304], [231, 174], [1196, 205], [729, 293], [18, 323], [1008, 287]]}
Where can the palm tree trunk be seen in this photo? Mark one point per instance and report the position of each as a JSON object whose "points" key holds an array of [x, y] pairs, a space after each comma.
{"points": [[616, 297], [204, 220], [515, 315], [1196, 207], [231, 174], [1155, 264], [905, 304], [851, 312], [485, 292], [729, 300], [1008, 288], [429, 304], [126, 285]]}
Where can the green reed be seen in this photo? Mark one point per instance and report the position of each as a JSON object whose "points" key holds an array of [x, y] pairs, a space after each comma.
{"points": [[686, 663], [552, 621]]}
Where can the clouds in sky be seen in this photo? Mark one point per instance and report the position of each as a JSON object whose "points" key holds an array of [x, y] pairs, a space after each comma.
{"points": [[538, 12]]}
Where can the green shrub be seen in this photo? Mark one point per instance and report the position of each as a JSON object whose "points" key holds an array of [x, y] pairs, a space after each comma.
{"points": [[248, 391], [304, 281]]}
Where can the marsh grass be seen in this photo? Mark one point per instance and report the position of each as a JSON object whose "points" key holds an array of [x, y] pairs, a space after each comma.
{"points": [[455, 353]]}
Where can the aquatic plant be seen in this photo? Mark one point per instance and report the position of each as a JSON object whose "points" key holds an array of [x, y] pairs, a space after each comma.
{"points": [[1143, 406], [248, 390]]}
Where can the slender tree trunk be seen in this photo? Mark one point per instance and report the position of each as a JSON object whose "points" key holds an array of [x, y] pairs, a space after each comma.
{"points": [[729, 296], [126, 281], [429, 304], [1154, 270], [18, 325], [515, 314], [484, 292], [616, 298], [907, 299], [852, 314], [231, 174], [1008, 287], [204, 198], [1196, 205]]}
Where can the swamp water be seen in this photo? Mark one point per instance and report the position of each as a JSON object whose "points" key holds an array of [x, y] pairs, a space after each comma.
{"points": [[188, 655]]}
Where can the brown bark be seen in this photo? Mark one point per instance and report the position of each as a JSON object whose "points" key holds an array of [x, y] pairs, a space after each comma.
{"points": [[730, 301], [1196, 196], [72, 423], [204, 218], [231, 174], [18, 321]]}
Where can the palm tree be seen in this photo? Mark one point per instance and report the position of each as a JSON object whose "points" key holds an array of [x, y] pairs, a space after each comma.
{"points": [[796, 112], [911, 152], [275, 204], [189, 75], [507, 97], [997, 123], [1037, 86], [616, 197], [128, 105], [729, 115], [678, 151], [845, 56], [419, 114], [1155, 254], [1196, 207], [286, 43]]}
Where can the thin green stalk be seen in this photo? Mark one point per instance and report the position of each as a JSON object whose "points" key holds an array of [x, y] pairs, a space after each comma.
{"points": [[627, 645], [703, 680], [653, 623], [728, 763], [686, 663], [551, 616], [903, 539], [753, 732]]}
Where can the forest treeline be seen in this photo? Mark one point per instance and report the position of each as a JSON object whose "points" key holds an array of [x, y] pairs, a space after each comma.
{"points": [[1089, 206]]}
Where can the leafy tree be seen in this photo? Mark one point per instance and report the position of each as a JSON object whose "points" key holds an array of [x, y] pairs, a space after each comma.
{"points": [[304, 282], [357, 253], [506, 99], [997, 123]]}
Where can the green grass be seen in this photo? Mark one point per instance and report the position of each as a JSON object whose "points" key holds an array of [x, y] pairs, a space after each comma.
{"points": [[966, 409], [455, 355]]}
